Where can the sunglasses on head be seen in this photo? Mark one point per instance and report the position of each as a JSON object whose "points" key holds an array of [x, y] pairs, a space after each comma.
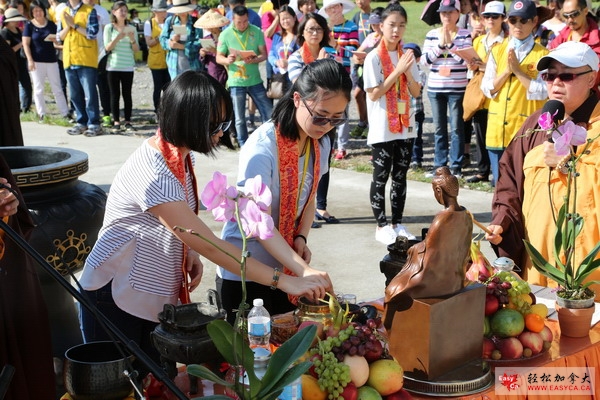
{"points": [[492, 16], [572, 14], [564, 77], [322, 121], [517, 20], [223, 126]]}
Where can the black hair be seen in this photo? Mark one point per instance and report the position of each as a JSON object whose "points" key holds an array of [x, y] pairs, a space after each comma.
{"points": [[303, 2], [290, 10], [393, 8], [322, 23], [190, 108], [38, 4], [316, 79], [240, 10], [237, 2], [377, 11], [277, 4]]}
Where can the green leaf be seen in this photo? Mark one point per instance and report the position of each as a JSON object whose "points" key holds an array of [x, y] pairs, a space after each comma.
{"points": [[543, 266], [204, 373]]}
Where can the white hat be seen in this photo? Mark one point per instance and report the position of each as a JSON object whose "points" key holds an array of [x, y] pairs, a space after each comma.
{"points": [[572, 55], [211, 19], [494, 7], [348, 6], [181, 6], [12, 15]]}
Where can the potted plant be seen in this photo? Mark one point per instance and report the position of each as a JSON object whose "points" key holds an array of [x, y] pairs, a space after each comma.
{"points": [[574, 296]]}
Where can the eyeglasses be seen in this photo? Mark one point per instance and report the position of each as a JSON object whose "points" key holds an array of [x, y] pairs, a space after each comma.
{"points": [[492, 16], [322, 121], [517, 20], [223, 126], [572, 14], [314, 31], [564, 77]]}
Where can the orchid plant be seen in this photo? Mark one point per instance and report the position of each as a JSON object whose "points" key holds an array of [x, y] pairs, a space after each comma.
{"points": [[568, 272], [248, 207]]}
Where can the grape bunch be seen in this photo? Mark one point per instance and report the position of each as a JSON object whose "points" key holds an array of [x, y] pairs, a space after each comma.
{"points": [[333, 374], [495, 286], [511, 290], [362, 340]]}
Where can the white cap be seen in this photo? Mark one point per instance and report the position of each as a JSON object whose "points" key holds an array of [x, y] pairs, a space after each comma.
{"points": [[494, 7], [572, 55], [257, 302]]}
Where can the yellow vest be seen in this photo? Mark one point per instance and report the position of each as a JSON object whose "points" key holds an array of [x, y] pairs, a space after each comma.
{"points": [[510, 108], [157, 56], [78, 49]]}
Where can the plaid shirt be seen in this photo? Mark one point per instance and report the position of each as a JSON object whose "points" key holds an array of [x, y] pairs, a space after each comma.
{"points": [[92, 27], [417, 102]]}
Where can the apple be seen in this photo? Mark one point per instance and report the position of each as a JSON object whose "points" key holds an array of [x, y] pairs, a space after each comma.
{"points": [[374, 352], [510, 348], [491, 304], [488, 347], [401, 394], [368, 393], [386, 376], [350, 392], [320, 331], [532, 340], [546, 334]]}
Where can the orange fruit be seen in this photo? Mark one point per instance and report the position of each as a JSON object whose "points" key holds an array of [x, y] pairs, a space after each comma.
{"points": [[311, 389], [534, 322]]}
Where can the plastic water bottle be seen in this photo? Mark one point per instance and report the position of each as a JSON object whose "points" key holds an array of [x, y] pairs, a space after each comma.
{"points": [[259, 325], [293, 391]]}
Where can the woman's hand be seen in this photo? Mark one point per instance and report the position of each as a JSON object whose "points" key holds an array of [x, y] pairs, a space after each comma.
{"points": [[313, 285], [550, 157], [8, 202], [322, 54], [195, 268], [302, 249], [31, 65], [495, 237], [405, 62]]}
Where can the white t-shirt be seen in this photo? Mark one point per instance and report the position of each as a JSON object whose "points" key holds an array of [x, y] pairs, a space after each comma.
{"points": [[379, 128]]}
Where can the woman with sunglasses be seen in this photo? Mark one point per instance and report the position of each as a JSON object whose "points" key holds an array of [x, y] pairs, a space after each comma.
{"points": [[290, 153], [139, 263], [512, 82]]}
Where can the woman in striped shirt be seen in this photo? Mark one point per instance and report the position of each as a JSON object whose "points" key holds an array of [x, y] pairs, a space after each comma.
{"points": [[121, 44]]}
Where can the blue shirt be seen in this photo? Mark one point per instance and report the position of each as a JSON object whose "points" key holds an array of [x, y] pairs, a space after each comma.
{"points": [[41, 50]]}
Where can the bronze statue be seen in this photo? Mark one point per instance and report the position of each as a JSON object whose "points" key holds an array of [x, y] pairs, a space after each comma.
{"points": [[435, 266]]}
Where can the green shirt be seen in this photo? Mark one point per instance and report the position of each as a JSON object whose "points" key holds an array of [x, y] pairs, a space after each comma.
{"points": [[240, 73]]}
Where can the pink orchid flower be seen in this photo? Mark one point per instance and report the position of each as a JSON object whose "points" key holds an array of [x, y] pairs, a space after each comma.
{"points": [[567, 135], [255, 222], [545, 121], [259, 192]]}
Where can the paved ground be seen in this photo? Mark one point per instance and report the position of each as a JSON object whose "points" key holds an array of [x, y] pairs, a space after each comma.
{"points": [[347, 251]]}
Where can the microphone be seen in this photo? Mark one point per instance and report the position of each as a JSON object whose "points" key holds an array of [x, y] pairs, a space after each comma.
{"points": [[557, 112]]}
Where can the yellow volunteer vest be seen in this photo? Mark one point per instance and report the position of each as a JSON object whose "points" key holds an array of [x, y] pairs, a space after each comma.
{"points": [[78, 49], [479, 47], [157, 56], [510, 108]]}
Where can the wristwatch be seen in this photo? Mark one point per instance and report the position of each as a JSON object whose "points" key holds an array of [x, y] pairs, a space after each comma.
{"points": [[75, 26]]}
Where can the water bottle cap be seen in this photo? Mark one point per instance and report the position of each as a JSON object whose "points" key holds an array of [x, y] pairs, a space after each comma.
{"points": [[257, 303]]}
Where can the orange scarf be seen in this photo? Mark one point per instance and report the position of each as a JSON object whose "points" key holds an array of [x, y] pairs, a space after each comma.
{"points": [[289, 190], [177, 165], [397, 122], [307, 56]]}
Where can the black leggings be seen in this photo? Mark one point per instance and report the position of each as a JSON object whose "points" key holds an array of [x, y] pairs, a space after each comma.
{"points": [[390, 157], [119, 81]]}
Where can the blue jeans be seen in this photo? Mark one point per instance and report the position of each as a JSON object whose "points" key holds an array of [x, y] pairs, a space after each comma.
{"points": [[82, 84], [263, 103], [495, 163], [442, 106]]}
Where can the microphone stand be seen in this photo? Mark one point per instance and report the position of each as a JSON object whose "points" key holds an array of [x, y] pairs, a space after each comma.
{"points": [[156, 370]]}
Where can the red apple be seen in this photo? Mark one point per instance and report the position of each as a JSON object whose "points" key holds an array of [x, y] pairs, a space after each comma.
{"points": [[488, 347], [491, 304], [546, 334], [531, 340], [375, 351], [510, 348], [350, 392], [401, 394]]}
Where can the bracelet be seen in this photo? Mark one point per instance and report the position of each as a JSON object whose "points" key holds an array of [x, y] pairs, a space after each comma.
{"points": [[275, 280], [562, 164], [302, 237]]}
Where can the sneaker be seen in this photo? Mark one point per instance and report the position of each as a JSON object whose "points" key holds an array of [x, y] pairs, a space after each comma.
{"points": [[41, 119], [415, 165], [129, 127], [76, 129], [365, 133], [385, 234], [456, 172], [357, 131], [340, 155], [71, 118], [115, 129], [430, 174], [93, 131], [106, 121], [401, 231]]}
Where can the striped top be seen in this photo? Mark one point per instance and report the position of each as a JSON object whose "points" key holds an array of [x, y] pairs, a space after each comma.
{"points": [[134, 250], [447, 71], [346, 39], [121, 57]]}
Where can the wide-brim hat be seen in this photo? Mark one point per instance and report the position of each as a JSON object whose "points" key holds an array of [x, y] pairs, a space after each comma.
{"points": [[572, 55], [182, 6], [159, 6], [211, 20], [348, 6], [12, 15]]}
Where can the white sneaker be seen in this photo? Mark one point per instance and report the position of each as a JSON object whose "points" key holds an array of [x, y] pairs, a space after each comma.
{"points": [[385, 234], [401, 230]]}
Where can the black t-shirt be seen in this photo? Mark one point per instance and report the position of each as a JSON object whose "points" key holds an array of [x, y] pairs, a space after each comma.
{"points": [[41, 50]]}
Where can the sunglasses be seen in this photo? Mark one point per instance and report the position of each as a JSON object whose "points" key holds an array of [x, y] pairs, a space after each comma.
{"points": [[516, 20], [322, 121], [313, 31], [564, 77], [492, 16], [223, 126], [572, 14]]}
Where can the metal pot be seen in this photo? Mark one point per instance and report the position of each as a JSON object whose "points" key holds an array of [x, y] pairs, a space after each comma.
{"points": [[95, 371]]}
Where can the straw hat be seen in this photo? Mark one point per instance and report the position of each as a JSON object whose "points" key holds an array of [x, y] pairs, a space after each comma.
{"points": [[211, 19], [182, 6], [12, 15], [348, 6]]}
